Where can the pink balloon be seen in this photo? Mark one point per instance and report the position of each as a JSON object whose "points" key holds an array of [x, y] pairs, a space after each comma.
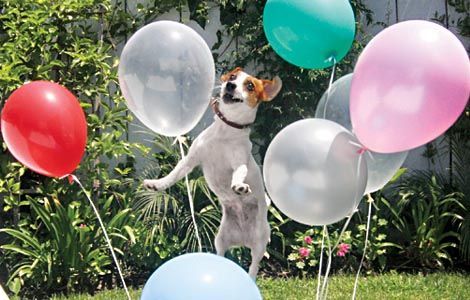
{"points": [[410, 84]]}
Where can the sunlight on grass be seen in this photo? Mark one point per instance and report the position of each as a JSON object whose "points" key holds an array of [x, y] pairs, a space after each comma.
{"points": [[388, 286]]}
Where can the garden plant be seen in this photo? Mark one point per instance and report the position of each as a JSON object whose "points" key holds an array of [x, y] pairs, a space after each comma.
{"points": [[52, 246]]}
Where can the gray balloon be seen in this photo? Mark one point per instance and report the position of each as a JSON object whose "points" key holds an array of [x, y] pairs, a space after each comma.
{"points": [[313, 172], [335, 107], [166, 75]]}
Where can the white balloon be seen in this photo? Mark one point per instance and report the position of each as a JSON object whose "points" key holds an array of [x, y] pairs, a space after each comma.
{"points": [[381, 166], [166, 74], [314, 173]]}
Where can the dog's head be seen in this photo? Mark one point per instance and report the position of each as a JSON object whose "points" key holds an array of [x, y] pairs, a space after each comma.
{"points": [[241, 94]]}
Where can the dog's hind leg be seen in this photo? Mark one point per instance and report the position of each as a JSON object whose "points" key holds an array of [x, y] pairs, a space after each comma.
{"points": [[258, 246], [229, 231], [221, 244], [257, 253]]}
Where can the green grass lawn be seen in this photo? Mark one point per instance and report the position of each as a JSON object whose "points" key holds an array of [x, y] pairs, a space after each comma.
{"points": [[382, 287]]}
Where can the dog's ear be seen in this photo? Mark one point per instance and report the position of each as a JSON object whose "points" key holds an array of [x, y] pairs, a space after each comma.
{"points": [[271, 88], [226, 76]]}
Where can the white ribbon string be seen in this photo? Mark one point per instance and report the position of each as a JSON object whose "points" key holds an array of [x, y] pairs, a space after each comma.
{"points": [[324, 289], [332, 77], [325, 230], [105, 235], [325, 281], [190, 197], [370, 200], [328, 266], [321, 262]]}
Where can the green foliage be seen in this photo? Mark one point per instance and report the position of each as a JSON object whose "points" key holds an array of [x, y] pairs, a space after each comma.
{"points": [[355, 237], [378, 245], [458, 136], [11, 188], [73, 43], [308, 263], [463, 22], [68, 253], [424, 217]]}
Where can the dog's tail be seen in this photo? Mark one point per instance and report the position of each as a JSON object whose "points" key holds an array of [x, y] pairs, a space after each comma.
{"points": [[267, 199]]}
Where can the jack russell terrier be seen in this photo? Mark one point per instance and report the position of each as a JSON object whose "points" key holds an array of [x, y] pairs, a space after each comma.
{"points": [[223, 150]]}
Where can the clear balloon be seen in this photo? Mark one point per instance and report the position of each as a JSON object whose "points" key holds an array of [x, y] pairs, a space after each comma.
{"points": [[314, 173], [411, 83], [310, 34], [200, 276], [334, 106], [45, 128], [166, 75]]}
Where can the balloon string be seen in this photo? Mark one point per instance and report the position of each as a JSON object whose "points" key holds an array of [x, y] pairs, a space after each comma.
{"points": [[324, 289], [343, 230], [332, 77], [370, 200], [190, 197], [328, 266], [321, 262], [105, 235]]}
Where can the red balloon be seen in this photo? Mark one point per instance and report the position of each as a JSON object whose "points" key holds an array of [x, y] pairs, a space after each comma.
{"points": [[45, 128]]}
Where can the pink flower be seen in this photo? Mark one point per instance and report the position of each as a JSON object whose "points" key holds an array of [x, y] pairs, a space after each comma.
{"points": [[343, 249], [82, 225], [304, 252], [308, 240]]}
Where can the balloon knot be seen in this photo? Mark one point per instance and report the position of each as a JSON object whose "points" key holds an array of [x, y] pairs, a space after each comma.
{"points": [[69, 177], [362, 150]]}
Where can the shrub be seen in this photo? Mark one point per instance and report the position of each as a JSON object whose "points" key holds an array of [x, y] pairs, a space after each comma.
{"points": [[425, 216]]}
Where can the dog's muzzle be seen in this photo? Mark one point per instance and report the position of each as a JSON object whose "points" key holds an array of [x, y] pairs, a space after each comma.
{"points": [[228, 94], [229, 99]]}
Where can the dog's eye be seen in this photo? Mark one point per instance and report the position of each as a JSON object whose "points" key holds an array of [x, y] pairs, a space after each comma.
{"points": [[250, 86], [232, 77]]}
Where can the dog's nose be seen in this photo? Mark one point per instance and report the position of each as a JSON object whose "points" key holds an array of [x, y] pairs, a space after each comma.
{"points": [[230, 87]]}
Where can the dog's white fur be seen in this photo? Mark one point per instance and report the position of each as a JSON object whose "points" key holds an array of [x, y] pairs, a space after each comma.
{"points": [[224, 153]]}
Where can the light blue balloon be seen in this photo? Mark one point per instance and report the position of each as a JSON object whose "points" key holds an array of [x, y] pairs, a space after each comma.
{"points": [[334, 106], [310, 33], [200, 276]]}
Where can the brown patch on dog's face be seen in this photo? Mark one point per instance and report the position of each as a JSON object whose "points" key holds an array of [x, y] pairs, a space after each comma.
{"points": [[239, 87], [255, 90], [234, 72]]}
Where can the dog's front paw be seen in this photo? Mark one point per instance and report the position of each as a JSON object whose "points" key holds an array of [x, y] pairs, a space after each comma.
{"points": [[241, 188], [155, 185]]}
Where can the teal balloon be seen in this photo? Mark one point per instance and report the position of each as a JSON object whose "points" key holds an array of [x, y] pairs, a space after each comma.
{"points": [[310, 34]]}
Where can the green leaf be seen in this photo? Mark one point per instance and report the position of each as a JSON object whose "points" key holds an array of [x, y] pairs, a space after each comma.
{"points": [[15, 286], [398, 174], [130, 233]]}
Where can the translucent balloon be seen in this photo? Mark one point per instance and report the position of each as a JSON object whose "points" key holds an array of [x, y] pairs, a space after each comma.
{"points": [[166, 74], [314, 172], [380, 167], [200, 276], [411, 83]]}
